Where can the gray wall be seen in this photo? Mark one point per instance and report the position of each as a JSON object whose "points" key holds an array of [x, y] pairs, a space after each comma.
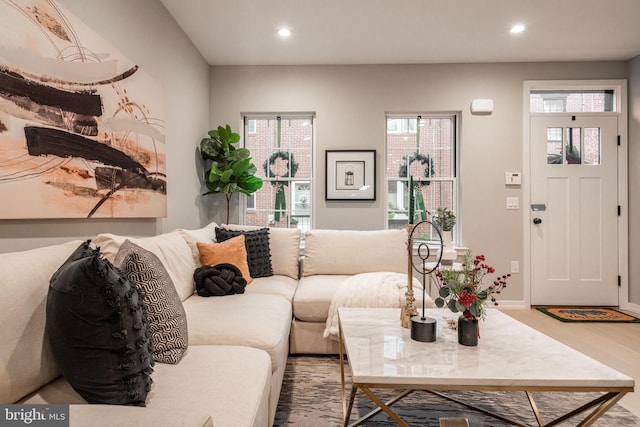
{"points": [[634, 178], [350, 103], [144, 32]]}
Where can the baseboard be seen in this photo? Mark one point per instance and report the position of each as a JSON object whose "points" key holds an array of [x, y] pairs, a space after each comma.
{"points": [[631, 307], [511, 304]]}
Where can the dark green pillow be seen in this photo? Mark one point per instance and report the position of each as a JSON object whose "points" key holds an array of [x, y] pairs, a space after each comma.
{"points": [[98, 330], [257, 244]]}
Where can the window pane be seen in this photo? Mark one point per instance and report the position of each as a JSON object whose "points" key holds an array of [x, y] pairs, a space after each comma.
{"points": [[554, 146], [427, 155], [591, 144], [281, 148], [572, 101], [572, 146]]}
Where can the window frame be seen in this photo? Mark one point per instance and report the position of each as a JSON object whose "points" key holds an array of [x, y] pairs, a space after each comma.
{"points": [[248, 118], [455, 166]]}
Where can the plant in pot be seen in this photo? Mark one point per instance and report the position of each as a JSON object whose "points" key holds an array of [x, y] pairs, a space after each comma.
{"points": [[228, 169], [444, 219]]}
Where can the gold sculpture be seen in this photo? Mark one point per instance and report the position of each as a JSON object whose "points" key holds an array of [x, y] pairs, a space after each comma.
{"points": [[409, 309]]}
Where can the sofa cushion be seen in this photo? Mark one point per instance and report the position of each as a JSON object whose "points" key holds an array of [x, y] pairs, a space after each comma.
{"points": [[354, 251], [252, 320], [285, 248], [257, 245], [108, 416], [26, 362], [98, 331], [206, 234], [313, 296], [232, 251], [283, 286], [172, 250], [167, 319], [229, 383]]}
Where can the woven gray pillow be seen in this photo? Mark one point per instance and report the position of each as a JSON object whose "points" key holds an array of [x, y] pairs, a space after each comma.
{"points": [[167, 318]]}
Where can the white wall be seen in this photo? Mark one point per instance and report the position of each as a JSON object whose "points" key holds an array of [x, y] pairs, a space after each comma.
{"points": [[144, 32], [350, 103], [634, 179]]}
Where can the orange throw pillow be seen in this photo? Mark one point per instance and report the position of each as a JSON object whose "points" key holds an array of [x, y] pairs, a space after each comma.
{"points": [[232, 251]]}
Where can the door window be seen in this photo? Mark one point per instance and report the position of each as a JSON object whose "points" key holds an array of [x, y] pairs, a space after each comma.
{"points": [[573, 146]]}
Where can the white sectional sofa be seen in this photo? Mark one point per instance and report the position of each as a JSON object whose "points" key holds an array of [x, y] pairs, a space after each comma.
{"points": [[232, 371], [330, 257]]}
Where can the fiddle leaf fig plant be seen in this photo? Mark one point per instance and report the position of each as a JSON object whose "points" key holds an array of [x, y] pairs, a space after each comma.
{"points": [[228, 169]]}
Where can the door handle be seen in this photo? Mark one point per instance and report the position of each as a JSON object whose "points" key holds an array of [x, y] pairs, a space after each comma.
{"points": [[537, 221]]}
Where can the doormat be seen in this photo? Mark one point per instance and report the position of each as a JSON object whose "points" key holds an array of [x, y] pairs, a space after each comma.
{"points": [[588, 314]]}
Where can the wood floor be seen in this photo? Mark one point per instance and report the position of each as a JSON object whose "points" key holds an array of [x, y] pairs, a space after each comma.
{"points": [[614, 344]]}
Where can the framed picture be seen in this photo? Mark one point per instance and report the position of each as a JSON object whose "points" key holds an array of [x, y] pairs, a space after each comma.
{"points": [[350, 174]]}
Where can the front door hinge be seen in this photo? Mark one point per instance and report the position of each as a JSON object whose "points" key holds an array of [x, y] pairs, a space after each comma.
{"points": [[619, 210], [619, 281], [618, 139]]}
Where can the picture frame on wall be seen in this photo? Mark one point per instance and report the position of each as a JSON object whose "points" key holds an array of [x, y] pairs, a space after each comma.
{"points": [[350, 175]]}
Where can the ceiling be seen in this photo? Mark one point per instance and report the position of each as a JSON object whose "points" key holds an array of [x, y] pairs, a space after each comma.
{"points": [[243, 32]]}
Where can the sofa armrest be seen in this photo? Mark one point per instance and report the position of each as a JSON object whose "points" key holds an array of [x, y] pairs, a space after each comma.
{"points": [[125, 416]]}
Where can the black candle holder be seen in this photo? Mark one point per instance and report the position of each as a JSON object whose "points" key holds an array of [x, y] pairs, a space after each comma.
{"points": [[423, 328]]}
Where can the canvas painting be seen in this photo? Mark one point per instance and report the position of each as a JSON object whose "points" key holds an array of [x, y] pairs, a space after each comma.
{"points": [[81, 126]]}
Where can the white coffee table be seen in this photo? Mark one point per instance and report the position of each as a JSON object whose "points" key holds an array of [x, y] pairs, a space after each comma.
{"points": [[510, 356]]}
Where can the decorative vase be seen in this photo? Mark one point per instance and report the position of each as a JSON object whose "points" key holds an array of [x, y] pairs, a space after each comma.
{"points": [[468, 329], [449, 254]]}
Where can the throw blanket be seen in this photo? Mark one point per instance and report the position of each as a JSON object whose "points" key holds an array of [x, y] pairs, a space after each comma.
{"points": [[219, 280], [378, 289]]}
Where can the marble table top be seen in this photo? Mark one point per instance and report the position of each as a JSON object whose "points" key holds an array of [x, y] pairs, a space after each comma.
{"points": [[509, 355]]}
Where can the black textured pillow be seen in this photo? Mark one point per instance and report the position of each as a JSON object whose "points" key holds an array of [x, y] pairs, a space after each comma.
{"points": [[257, 245], [97, 326], [167, 319]]}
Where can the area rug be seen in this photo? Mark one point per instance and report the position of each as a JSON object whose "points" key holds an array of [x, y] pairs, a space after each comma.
{"points": [[588, 314], [311, 396]]}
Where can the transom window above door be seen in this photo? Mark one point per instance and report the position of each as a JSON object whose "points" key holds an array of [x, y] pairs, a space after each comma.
{"points": [[572, 101]]}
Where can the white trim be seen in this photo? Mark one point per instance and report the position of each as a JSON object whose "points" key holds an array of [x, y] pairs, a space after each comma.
{"points": [[621, 111], [631, 307], [510, 305]]}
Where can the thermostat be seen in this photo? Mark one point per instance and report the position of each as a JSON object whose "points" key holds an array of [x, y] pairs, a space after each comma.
{"points": [[513, 178]]}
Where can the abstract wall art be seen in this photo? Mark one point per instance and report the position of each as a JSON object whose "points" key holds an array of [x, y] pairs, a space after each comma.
{"points": [[81, 126]]}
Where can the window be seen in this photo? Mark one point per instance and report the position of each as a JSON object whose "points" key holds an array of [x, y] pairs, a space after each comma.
{"points": [[573, 146], [281, 148], [572, 101], [251, 126], [426, 151], [251, 201], [401, 125]]}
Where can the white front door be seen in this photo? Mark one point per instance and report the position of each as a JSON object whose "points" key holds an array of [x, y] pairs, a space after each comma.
{"points": [[574, 210]]}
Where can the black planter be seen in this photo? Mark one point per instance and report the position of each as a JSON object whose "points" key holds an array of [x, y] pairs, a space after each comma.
{"points": [[467, 329]]}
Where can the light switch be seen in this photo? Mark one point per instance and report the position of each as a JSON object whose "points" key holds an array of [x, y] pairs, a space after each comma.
{"points": [[513, 178], [513, 203]]}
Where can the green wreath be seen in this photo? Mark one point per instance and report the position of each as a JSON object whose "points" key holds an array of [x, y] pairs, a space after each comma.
{"points": [[429, 171], [292, 168], [424, 159]]}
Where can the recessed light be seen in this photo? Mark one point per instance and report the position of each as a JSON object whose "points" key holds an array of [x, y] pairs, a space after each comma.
{"points": [[518, 28], [284, 32]]}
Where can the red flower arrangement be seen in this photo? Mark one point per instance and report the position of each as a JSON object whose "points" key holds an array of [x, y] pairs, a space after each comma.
{"points": [[463, 290]]}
